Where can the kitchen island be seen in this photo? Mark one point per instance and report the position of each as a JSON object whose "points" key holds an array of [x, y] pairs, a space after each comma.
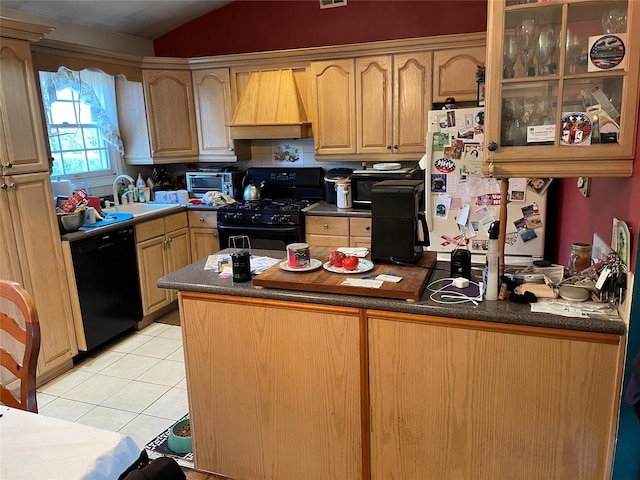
{"points": [[290, 384]]}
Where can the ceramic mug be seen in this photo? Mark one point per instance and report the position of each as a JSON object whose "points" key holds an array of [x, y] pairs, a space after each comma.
{"points": [[298, 255], [90, 215]]}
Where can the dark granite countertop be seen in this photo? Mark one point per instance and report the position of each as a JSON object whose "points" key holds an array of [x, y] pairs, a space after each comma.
{"points": [[323, 208], [194, 278]]}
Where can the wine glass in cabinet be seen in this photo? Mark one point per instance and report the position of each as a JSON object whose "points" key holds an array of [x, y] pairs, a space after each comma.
{"points": [[569, 105]]}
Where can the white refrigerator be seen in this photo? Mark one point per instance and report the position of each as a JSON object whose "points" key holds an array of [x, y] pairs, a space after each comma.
{"points": [[461, 204]]}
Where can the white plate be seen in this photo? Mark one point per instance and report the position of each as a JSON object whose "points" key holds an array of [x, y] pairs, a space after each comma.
{"points": [[363, 266], [313, 264], [386, 166]]}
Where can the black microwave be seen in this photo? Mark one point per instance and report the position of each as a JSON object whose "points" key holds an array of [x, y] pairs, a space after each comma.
{"points": [[362, 182]]}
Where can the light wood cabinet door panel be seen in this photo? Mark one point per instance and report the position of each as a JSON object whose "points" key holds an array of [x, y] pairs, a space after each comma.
{"points": [[411, 101], [458, 403], [31, 230], [21, 121], [170, 113], [314, 239], [454, 73], [204, 242], [277, 394], [152, 260], [374, 82], [333, 86], [178, 253]]}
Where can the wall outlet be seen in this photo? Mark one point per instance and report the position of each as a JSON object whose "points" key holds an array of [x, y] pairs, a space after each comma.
{"points": [[584, 183]]}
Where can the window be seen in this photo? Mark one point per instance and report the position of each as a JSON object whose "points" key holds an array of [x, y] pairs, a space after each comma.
{"points": [[80, 110]]}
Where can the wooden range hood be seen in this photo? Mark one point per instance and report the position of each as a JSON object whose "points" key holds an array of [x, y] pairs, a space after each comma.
{"points": [[270, 107]]}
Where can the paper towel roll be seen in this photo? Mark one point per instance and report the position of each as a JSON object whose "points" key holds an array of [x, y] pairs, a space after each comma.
{"points": [[61, 188]]}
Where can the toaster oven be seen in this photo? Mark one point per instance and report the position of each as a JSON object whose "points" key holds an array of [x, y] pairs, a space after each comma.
{"points": [[229, 183], [362, 182]]}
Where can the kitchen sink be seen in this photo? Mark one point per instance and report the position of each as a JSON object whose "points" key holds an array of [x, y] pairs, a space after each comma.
{"points": [[141, 209]]}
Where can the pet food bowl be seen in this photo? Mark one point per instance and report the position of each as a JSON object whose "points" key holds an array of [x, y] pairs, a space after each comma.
{"points": [[177, 443]]}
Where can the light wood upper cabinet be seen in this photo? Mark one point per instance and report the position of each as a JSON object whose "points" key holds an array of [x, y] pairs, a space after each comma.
{"points": [[170, 114], [454, 73], [213, 107], [333, 87], [583, 95], [411, 101], [23, 132], [388, 109]]}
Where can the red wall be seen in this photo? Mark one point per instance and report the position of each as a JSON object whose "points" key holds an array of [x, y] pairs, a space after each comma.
{"points": [[251, 26], [579, 217]]}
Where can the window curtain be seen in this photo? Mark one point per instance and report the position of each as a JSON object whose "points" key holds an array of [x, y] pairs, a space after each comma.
{"points": [[95, 89]]}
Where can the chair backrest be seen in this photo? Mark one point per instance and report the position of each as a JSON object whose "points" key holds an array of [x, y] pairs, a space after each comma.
{"points": [[12, 293]]}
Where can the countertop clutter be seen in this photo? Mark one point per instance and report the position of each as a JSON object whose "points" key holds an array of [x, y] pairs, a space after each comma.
{"points": [[194, 278]]}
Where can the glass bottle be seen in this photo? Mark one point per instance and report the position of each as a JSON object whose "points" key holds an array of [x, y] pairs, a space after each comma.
{"points": [[579, 258]]}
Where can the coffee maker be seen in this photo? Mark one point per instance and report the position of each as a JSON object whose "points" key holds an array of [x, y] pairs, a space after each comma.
{"points": [[395, 212]]}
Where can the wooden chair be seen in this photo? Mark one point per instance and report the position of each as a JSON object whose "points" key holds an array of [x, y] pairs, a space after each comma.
{"points": [[12, 293]]}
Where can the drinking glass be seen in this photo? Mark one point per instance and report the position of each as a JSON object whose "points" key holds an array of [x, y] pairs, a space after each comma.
{"points": [[615, 21], [526, 37], [573, 49], [510, 55], [545, 48]]}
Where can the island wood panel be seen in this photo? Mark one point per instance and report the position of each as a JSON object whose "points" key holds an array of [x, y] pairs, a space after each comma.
{"points": [[274, 392], [460, 403], [414, 278]]}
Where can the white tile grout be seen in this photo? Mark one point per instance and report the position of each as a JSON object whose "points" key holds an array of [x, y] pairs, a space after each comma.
{"points": [[53, 397]]}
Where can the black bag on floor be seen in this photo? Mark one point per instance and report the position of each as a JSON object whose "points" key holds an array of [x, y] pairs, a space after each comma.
{"points": [[163, 468]]}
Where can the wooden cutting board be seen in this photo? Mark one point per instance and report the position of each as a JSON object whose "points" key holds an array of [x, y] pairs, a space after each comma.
{"points": [[414, 278]]}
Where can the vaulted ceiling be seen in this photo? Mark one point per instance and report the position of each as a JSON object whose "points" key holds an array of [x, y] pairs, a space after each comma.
{"points": [[147, 19]]}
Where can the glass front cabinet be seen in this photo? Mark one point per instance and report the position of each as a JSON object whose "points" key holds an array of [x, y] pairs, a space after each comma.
{"points": [[561, 88]]}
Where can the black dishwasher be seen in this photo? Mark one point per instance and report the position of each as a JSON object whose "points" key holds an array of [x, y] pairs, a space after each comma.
{"points": [[106, 273]]}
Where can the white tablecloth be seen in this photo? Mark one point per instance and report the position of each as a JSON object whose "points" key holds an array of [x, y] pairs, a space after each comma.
{"points": [[36, 447]]}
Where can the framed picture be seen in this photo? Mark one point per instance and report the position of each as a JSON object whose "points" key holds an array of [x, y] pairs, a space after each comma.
{"points": [[481, 93], [332, 3]]}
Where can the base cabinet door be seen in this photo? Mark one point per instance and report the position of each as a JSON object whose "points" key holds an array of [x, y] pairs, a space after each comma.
{"points": [[162, 246], [274, 391], [461, 403], [203, 232]]}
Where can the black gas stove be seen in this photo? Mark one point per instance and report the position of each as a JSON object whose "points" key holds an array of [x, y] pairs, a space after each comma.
{"points": [[278, 218]]}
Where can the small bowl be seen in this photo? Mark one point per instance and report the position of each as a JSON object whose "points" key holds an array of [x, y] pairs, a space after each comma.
{"points": [[70, 222], [176, 443]]}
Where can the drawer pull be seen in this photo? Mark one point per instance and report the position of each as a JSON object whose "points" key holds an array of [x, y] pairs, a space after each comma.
{"points": [[325, 226], [201, 219], [367, 228]]}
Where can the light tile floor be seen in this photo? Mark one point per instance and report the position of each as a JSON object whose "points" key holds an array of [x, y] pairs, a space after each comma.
{"points": [[136, 386]]}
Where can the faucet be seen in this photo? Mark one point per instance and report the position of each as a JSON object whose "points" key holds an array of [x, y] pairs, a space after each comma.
{"points": [[116, 198]]}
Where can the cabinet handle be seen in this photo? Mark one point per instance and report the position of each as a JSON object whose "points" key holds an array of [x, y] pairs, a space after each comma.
{"points": [[201, 219], [325, 226], [4, 186], [367, 228], [215, 235], [9, 165], [493, 146], [389, 147], [395, 146], [315, 148], [231, 149]]}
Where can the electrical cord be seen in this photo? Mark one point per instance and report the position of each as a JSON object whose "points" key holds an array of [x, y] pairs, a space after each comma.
{"points": [[406, 264], [452, 296]]}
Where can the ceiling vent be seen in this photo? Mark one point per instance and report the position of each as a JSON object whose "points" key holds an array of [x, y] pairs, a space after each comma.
{"points": [[270, 107]]}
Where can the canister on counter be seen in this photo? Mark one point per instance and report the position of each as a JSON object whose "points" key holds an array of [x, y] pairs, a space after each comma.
{"points": [[579, 258]]}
